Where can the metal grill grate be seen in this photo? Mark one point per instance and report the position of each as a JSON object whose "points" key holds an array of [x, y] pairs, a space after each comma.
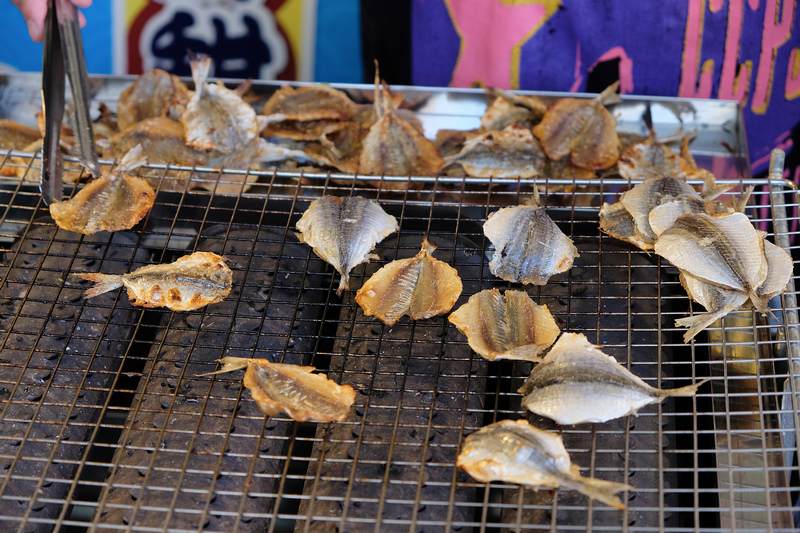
{"points": [[108, 423]]}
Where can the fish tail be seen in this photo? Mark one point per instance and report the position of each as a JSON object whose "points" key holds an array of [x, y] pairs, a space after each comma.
{"points": [[601, 490], [132, 160], [201, 66], [343, 285], [688, 390], [105, 283], [696, 324]]}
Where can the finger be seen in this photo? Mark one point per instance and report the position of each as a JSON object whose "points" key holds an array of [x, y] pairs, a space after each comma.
{"points": [[34, 12], [82, 3], [81, 19]]}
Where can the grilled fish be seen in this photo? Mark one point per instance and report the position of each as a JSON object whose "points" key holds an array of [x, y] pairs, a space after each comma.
{"points": [[509, 153], [582, 129], [292, 389], [394, 147], [343, 231], [189, 283], [113, 202], [505, 326], [15, 136], [153, 94], [577, 383], [719, 301], [517, 452], [508, 108], [421, 286], [725, 250], [306, 113], [529, 247], [642, 198], [216, 118]]}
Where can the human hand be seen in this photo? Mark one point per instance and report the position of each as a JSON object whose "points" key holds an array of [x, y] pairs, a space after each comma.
{"points": [[34, 12]]}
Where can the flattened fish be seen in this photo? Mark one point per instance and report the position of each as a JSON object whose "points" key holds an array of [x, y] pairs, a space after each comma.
{"points": [[344, 230], [509, 153], [394, 147], [509, 108], [421, 286], [642, 198], [216, 118], [719, 301], [317, 102], [191, 282], [578, 383], [16, 136], [113, 202], [153, 94], [725, 250], [517, 452], [292, 389], [663, 216], [582, 129], [505, 326], [529, 247]]}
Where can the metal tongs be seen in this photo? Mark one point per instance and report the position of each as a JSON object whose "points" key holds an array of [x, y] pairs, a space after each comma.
{"points": [[63, 49]]}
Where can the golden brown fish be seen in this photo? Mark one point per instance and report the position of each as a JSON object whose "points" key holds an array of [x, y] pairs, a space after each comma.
{"points": [[113, 202], [16, 136], [421, 286], [292, 389], [509, 153], [343, 231], [393, 147], [582, 129], [153, 94], [508, 108], [517, 452], [505, 326], [191, 282]]}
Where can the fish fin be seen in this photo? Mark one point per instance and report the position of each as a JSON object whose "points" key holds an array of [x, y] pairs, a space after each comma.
{"points": [[609, 94], [688, 390], [741, 202], [601, 490], [229, 364], [104, 283], [132, 160], [699, 322], [759, 303]]}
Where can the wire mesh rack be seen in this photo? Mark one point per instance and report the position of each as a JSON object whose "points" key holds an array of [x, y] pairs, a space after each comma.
{"points": [[109, 420]]}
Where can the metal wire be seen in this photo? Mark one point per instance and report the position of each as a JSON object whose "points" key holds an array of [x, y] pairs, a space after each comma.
{"points": [[109, 420]]}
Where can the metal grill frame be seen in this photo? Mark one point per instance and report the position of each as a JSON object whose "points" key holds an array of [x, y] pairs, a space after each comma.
{"points": [[722, 461]]}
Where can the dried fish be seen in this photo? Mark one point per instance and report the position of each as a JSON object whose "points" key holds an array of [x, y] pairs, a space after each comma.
{"points": [[642, 198], [505, 326], [394, 147], [421, 286], [509, 153], [509, 108], [720, 301], [113, 202], [343, 231], [663, 216], [317, 102], [517, 452], [155, 93], [216, 118], [582, 129], [529, 247], [191, 282], [578, 383], [724, 250], [292, 389], [16, 136]]}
